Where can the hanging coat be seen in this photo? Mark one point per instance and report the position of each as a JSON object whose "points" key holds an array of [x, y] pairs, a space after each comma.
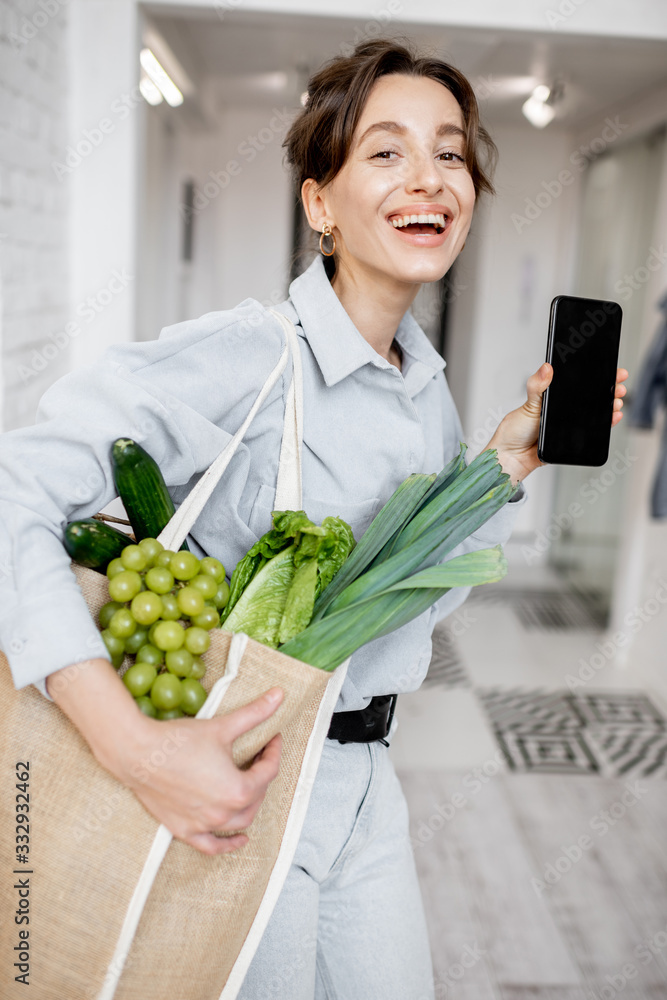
{"points": [[650, 394]]}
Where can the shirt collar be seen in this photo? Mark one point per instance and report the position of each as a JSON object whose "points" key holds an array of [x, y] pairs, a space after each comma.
{"points": [[337, 345]]}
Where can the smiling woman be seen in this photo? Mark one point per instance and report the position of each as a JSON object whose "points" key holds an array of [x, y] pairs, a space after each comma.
{"points": [[390, 157]]}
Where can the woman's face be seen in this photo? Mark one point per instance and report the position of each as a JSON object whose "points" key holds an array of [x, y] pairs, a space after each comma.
{"points": [[407, 159]]}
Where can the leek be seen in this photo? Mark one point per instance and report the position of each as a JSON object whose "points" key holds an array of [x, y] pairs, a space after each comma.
{"points": [[395, 572], [401, 505], [328, 642]]}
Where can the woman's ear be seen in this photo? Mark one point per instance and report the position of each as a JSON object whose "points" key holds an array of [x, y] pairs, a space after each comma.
{"points": [[313, 204]]}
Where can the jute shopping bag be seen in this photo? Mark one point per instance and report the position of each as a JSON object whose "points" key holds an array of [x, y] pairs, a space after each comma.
{"points": [[117, 909]]}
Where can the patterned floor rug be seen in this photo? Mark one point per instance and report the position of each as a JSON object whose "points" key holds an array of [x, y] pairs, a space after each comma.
{"points": [[608, 733], [547, 610]]}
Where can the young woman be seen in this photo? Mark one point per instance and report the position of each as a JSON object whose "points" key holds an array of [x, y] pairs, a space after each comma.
{"points": [[388, 155]]}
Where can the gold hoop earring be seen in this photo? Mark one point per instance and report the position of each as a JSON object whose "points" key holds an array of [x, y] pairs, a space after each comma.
{"points": [[461, 250], [327, 231]]}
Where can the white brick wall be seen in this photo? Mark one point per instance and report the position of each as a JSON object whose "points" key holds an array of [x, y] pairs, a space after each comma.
{"points": [[34, 270]]}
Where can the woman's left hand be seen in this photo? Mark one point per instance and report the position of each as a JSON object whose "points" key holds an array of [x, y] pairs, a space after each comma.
{"points": [[516, 436]]}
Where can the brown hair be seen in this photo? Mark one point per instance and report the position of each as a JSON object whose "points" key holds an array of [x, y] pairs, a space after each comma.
{"points": [[319, 139]]}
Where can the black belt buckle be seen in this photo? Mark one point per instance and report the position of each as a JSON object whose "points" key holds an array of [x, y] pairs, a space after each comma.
{"points": [[365, 725]]}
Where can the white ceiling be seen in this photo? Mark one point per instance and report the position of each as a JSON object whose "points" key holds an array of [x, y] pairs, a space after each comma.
{"points": [[243, 57]]}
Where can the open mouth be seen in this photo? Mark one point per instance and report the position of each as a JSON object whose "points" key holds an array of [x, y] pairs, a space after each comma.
{"points": [[431, 224]]}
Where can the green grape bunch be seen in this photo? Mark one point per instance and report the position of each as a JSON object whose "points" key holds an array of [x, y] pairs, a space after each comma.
{"points": [[162, 608]]}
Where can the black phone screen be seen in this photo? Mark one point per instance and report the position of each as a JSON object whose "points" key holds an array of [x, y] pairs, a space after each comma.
{"points": [[584, 338]]}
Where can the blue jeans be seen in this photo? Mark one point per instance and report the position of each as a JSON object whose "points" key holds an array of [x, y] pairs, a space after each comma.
{"points": [[349, 923]]}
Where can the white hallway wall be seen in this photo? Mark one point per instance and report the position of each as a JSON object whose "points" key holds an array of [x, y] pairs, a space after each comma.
{"points": [[244, 224], [35, 303], [241, 217], [69, 118]]}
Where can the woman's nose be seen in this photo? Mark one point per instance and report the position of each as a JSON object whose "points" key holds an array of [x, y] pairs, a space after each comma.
{"points": [[423, 175]]}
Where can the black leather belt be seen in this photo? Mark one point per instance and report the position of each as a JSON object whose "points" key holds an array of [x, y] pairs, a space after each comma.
{"points": [[366, 724]]}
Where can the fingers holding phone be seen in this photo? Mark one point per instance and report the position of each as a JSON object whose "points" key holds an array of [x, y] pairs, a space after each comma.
{"points": [[621, 390]]}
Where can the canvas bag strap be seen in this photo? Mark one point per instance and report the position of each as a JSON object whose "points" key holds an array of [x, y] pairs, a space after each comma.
{"points": [[288, 490]]}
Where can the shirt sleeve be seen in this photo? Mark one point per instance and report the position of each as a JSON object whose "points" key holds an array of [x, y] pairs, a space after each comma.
{"points": [[174, 396]]}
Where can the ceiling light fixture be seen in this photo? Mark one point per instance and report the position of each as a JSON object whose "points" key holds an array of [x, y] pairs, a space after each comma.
{"points": [[536, 109], [149, 91], [542, 93], [160, 78]]}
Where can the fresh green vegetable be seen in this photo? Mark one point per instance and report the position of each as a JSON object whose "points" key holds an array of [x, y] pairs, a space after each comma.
{"points": [[328, 642], [274, 587], [396, 572], [269, 545], [141, 488], [93, 543], [259, 609]]}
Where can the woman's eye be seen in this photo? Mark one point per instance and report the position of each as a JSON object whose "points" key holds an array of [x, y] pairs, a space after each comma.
{"points": [[449, 155]]}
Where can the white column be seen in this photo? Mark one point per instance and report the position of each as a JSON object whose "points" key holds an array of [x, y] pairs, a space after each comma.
{"points": [[102, 163]]}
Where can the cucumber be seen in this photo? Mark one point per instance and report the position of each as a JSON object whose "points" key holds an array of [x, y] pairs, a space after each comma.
{"points": [[142, 489], [93, 543]]}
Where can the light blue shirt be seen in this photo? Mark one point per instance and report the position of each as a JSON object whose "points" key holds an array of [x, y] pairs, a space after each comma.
{"points": [[366, 427]]}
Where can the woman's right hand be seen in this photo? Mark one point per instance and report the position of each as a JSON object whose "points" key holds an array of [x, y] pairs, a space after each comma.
{"points": [[181, 770], [183, 773]]}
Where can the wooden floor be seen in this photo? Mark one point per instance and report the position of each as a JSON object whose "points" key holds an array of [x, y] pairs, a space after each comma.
{"points": [[596, 926]]}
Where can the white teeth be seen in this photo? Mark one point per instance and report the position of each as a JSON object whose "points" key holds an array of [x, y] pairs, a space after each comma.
{"points": [[405, 220]]}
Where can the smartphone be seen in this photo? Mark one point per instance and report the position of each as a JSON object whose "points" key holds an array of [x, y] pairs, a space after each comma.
{"points": [[583, 344]]}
